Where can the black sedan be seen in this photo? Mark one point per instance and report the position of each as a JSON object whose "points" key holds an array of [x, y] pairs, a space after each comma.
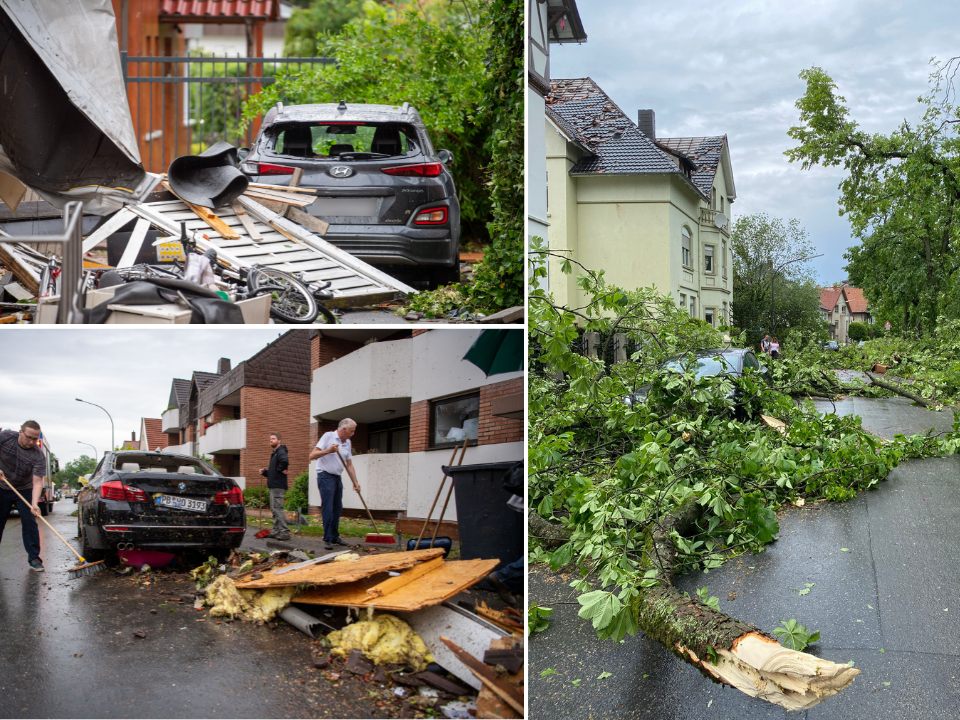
{"points": [[158, 501], [387, 194]]}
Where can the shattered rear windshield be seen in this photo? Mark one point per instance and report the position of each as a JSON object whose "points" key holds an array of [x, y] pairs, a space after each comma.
{"points": [[347, 141], [161, 464]]}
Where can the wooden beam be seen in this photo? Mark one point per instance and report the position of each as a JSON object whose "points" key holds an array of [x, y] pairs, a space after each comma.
{"points": [[247, 223], [405, 578], [487, 676]]}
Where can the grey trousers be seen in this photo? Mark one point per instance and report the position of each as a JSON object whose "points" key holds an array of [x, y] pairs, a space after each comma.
{"points": [[279, 513]]}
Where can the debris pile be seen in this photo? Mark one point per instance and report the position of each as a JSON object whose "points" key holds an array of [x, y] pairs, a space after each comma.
{"points": [[384, 640]]}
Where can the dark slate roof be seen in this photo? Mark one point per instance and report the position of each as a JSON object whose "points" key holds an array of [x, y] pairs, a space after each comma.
{"points": [[705, 152], [284, 364], [179, 393], [204, 380], [615, 143]]}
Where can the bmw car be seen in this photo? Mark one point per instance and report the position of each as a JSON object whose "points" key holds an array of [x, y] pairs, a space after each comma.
{"points": [[158, 501], [389, 198]]}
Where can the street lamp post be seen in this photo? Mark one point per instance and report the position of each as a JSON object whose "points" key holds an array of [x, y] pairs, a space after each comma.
{"points": [[113, 444], [95, 453], [773, 284]]}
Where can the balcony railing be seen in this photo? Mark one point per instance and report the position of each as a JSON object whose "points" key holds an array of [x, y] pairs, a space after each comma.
{"points": [[184, 449], [375, 372], [224, 436], [170, 420], [383, 482], [715, 218]]}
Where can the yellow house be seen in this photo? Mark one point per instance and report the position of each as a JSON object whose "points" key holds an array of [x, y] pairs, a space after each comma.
{"points": [[646, 210]]}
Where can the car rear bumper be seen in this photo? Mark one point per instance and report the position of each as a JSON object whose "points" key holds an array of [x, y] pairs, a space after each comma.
{"points": [[152, 535], [397, 244]]}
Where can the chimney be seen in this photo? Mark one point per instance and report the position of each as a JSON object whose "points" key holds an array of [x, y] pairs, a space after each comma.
{"points": [[133, 436], [223, 366], [647, 122]]}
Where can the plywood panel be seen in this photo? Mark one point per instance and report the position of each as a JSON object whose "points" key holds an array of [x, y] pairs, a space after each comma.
{"points": [[432, 588]]}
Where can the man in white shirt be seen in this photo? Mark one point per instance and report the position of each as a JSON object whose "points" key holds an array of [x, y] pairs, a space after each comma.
{"points": [[329, 481]]}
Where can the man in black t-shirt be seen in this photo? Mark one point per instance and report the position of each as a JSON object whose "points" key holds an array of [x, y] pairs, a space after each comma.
{"points": [[24, 466]]}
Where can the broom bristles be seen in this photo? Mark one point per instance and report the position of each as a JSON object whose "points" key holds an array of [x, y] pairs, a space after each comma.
{"points": [[380, 538], [87, 568]]}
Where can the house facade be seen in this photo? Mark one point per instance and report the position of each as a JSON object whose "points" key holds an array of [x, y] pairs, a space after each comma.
{"points": [[647, 210], [415, 400], [842, 305], [549, 22], [152, 437]]}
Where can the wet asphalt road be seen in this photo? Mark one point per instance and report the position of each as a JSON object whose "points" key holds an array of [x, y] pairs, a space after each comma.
{"points": [[69, 649], [885, 574]]}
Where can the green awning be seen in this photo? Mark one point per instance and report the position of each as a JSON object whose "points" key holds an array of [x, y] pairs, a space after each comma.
{"points": [[497, 351]]}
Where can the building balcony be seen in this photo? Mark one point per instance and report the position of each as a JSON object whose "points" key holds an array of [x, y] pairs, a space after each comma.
{"points": [[383, 482], [184, 449], [170, 420], [367, 385], [714, 219], [224, 437]]}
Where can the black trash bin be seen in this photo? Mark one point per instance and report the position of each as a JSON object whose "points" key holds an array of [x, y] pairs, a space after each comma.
{"points": [[488, 528]]}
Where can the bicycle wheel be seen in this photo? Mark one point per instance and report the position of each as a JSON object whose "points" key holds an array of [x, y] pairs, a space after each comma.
{"points": [[291, 300]]}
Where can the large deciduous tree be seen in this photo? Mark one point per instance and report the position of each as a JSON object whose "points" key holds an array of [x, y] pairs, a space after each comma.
{"points": [[900, 194], [772, 287]]}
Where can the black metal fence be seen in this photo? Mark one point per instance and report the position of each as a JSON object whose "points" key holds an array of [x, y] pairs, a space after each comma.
{"points": [[182, 105]]}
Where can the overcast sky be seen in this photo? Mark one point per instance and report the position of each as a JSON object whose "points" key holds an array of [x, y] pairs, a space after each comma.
{"points": [[732, 68], [128, 372]]}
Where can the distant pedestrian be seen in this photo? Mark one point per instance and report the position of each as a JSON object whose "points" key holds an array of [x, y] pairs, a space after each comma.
{"points": [[276, 475], [765, 344], [329, 480], [23, 465], [774, 347]]}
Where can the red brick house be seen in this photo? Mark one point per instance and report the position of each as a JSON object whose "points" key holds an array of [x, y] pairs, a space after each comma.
{"points": [[841, 305], [267, 393], [152, 437]]}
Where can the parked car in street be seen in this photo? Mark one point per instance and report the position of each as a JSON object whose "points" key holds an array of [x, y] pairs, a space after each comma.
{"points": [[728, 362], [160, 501], [831, 345], [388, 196]]}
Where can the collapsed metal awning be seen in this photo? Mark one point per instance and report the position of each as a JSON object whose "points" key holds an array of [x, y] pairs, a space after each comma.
{"points": [[258, 237]]}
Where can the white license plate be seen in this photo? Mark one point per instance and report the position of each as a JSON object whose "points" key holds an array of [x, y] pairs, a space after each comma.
{"points": [[180, 503], [345, 207]]}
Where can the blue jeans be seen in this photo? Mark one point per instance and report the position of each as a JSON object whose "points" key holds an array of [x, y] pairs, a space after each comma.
{"points": [[28, 523], [512, 574], [331, 504]]}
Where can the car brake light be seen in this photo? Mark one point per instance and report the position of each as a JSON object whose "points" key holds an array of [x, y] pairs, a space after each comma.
{"points": [[419, 170], [116, 490], [271, 169], [431, 216], [233, 496], [116, 528]]}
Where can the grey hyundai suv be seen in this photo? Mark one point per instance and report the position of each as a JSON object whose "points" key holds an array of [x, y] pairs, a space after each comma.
{"points": [[387, 195]]}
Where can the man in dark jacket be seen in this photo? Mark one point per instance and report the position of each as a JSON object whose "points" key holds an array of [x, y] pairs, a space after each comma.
{"points": [[276, 475], [24, 466]]}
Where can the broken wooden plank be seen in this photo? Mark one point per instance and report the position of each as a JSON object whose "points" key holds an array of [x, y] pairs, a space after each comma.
{"points": [[23, 271], [486, 674], [130, 253], [506, 652], [340, 572], [12, 190], [214, 221], [310, 222], [504, 618], [247, 223], [403, 579], [297, 200], [284, 188], [117, 221], [440, 583]]}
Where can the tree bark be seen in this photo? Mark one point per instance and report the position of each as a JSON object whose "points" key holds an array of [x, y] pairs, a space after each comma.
{"points": [[723, 648], [897, 388]]}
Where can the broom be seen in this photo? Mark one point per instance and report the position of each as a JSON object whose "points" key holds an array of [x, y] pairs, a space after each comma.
{"points": [[376, 537], [82, 567]]}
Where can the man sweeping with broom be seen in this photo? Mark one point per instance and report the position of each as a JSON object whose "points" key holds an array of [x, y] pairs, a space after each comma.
{"points": [[329, 482], [24, 467]]}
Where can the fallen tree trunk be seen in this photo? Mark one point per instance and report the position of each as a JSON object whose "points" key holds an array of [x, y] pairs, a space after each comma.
{"points": [[898, 388], [723, 648]]}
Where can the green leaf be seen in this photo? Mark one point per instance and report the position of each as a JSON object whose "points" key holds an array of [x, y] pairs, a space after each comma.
{"points": [[547, 672], [600, 607], [604, 675]]}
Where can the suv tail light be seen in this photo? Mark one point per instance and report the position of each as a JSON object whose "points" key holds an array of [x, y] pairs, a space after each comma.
{"points": [[233, 496], [431, 216], [419, 170], [116, 490], [271, 169]]}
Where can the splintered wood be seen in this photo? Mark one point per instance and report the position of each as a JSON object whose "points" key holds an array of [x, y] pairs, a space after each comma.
{"points": [[422, 586], [339, 572]]}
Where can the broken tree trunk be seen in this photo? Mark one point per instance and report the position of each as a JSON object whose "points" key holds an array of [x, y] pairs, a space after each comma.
{"points": [[897, 388], [723, 648]]}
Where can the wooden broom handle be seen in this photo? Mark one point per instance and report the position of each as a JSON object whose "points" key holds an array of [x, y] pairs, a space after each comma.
{"points": [[369, 514], [443, 510], [80, 557], [426, 521]]}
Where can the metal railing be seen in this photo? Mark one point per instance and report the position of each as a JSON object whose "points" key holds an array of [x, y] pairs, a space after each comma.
{"points": [[68, 309], [182, 104]]}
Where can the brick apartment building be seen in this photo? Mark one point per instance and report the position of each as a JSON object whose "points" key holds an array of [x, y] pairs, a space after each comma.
{"points": [[415, 399], [228, 416]]}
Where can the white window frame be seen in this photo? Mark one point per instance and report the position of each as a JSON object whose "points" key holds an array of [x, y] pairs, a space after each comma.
{"points": [[686, 247], [710, 259], [712, 312]]}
